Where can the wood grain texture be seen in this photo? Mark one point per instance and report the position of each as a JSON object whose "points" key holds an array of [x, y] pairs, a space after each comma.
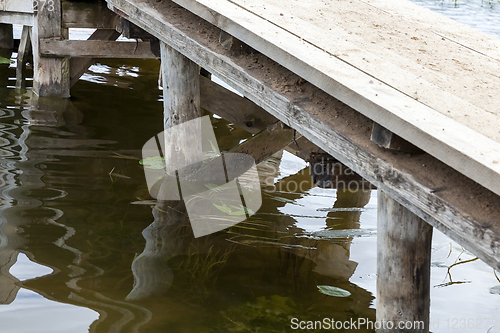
{"points": [[181, 103], [471, 151], [51, 76], [16, 18], [403, 266], [447, 200], [95, 49], [22, 6]]}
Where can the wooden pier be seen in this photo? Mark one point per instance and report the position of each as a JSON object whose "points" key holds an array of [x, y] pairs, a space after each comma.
{"points": [[404, 97]]}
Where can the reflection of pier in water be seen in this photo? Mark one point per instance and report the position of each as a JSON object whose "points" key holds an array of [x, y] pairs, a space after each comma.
{"points": [[289, 258], [32, 207]]}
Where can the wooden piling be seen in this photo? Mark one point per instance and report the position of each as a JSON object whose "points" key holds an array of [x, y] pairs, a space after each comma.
{"points": [[51, 76], [403, 267], [181, 87], [181, 102]]}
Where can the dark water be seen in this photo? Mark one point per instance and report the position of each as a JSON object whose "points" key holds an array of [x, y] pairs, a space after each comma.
{"points": [[81, 250]]}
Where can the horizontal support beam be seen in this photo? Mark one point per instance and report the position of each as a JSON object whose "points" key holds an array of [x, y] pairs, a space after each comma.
{"points": [[22, 6], [95, 49], [78, 66], [460, 208], [17, 18]]}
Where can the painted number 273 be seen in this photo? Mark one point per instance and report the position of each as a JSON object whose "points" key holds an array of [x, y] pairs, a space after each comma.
{"points": [[41, 5]]}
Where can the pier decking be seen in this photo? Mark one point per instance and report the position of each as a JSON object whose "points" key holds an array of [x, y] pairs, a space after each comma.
{"points": [[341, 73]]}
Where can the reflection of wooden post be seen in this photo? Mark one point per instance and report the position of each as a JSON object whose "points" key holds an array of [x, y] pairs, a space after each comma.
{"points": [[403, 265], [50, 75], [166, 235]]}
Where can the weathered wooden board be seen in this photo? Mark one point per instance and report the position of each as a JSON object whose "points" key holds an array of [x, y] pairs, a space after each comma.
{"points": [[16, 18], [22, 6], [95, 49], [398, 109], [447, 200]]}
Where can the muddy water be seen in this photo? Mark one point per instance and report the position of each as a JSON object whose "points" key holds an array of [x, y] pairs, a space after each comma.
{"points": [[82, 249]]}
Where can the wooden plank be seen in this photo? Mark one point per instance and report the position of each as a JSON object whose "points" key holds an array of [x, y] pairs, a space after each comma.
{"points": [[403, 260], [16, 18], [22, 6], [95, 49], [87, 15], [78, 66], [233, 108], [51, 76], [452, 142], [411, 58], [427, 187], [441, 25]]}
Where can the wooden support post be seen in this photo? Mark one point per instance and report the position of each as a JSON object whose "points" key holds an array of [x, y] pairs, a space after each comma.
{"points": [[51, 76], [388, 140], [403, 267], [181, 103], [6, 36], [22, 55], [181, 87]]}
